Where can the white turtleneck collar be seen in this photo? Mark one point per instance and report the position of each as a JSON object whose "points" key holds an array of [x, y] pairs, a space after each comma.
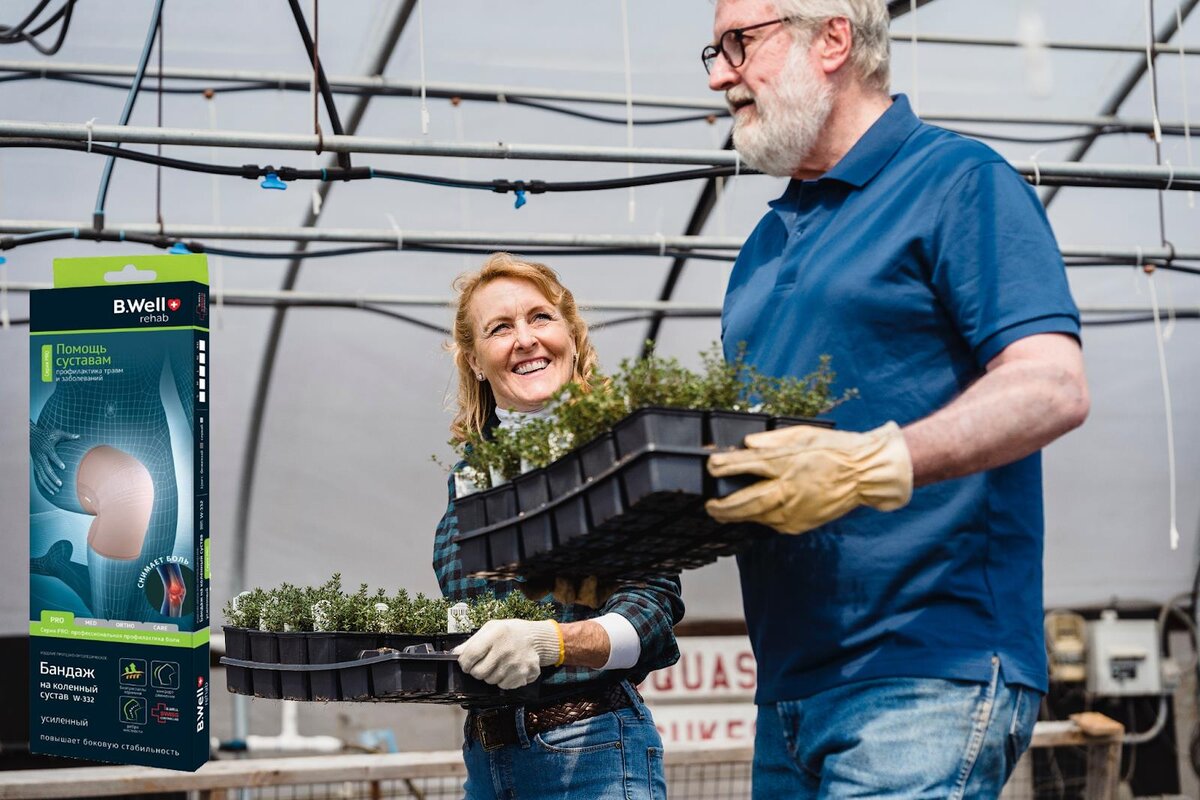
{"points": [[515, 419]]}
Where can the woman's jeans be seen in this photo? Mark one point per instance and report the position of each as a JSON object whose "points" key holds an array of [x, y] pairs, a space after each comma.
{"points": [[613, 756], [895, 738]]}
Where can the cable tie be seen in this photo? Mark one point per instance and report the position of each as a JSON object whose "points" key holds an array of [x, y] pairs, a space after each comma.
{"points": [[89, 125], [1139, 256], [121, 235], [396, 228], [501, 99], [1170, 175], [662, 243], [324, 175], [1037, 172]]}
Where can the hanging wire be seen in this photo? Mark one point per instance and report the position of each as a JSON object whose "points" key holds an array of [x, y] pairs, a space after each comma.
{"points": [[130, 100]]}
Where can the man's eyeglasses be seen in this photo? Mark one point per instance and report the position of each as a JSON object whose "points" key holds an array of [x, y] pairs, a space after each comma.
{"points": [[732, 45]]}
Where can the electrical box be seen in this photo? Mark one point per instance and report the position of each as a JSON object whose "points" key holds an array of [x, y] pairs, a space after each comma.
{"points": [[1123, 657]]}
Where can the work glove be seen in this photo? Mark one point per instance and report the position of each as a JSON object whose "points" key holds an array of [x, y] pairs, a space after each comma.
{"points": [[510, 653], [590, 591], [44, 457], [813, 475]]}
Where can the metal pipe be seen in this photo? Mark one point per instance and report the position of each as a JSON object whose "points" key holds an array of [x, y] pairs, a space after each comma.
{"points": [[991, 41], [361, 144], [536, 152], [494, 93], [598, 307], [364, 84], [508, 240]]}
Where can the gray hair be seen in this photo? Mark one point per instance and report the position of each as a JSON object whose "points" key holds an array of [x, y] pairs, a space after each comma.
{"points": [[870, 52]]}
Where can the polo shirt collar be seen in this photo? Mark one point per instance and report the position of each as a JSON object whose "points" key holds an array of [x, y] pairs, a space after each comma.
{"points": [[877, 146], [871, 152]]}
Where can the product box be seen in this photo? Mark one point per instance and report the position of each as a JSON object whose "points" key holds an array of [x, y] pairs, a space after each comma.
{"points": [[118, 511]]}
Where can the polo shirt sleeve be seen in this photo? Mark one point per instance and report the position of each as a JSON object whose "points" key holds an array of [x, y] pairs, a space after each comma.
{"points": [[996, 266]]}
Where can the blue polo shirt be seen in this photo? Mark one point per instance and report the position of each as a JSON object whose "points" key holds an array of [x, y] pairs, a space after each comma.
{"points": [[913, 262]]}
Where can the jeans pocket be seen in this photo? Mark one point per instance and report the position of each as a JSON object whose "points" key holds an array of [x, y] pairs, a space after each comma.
{"points": [[1020, 728], [602, 732], [658, 780]]}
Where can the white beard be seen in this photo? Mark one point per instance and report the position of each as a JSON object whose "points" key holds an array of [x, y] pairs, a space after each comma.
{"points": [[778, 133]]}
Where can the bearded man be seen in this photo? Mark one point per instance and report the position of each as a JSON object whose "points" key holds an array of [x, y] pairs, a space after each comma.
{"points": [[899, 637]]}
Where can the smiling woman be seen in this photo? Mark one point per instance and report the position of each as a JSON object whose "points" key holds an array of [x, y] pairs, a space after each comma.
{"points": [[518, 339]]}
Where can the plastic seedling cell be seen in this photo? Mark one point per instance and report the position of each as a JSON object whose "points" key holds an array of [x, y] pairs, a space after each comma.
{"points": [[501, 503], [659, 426], [445, 642], [603, 494], [470, 512], [787, 422], [264, 648], [571, 522], [533, 491], [473, 550], [322, 649], [293, 649], [655, 473], [505, 547], [564, 475], [355, 682], [237, 645], [537, 536]]}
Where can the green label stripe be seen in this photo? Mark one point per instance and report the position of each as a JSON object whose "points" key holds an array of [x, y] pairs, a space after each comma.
{"points": [[207, 569], [47, 363], [61, 625], [92, 271], [119, 330]]}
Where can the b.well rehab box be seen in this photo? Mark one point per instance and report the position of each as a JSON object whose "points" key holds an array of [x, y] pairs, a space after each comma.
{"points": [[118, 511]]}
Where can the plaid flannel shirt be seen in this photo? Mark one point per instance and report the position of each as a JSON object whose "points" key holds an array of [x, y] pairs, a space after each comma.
{"points": [[652, 607]]}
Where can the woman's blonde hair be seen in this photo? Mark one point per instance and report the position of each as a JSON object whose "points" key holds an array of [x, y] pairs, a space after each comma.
{"points": [[475, 400]]}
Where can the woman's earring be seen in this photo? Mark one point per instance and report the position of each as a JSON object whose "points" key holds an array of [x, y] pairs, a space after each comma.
{"points": [[479, 375]]}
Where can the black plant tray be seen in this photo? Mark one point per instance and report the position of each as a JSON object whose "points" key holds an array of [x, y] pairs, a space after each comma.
{"points": [[628, 504], [418, 674]]}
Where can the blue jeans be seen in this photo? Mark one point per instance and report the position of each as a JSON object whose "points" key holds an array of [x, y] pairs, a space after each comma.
{"points": [[895, 738], [613, 756]]}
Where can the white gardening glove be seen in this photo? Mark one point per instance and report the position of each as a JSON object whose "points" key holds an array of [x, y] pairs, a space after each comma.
{"points": [[510, 653]]}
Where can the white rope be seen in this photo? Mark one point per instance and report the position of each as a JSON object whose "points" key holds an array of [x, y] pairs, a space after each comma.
{"points": [[421, 57], [662, 243], [1173, 533], [1187, 128], [90, 127], [1150, 39], [916, 87], [464, 198], [4, 318], [396, 228], [628, 99], [1170, 174]]}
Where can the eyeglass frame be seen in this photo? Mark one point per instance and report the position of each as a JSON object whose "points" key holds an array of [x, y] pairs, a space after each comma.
{"points": [[708, 55]]}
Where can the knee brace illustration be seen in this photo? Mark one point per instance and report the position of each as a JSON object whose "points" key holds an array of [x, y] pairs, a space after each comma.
{"points": [[117, 489], [174, 589]]}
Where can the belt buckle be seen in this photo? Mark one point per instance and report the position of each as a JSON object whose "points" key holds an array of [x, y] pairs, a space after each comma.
{"points": [[482, 719]]}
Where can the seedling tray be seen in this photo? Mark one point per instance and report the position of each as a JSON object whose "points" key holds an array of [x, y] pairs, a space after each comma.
{"points": [[419, 673], [628, 504]]}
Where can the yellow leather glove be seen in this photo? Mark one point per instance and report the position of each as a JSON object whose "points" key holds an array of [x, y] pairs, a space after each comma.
{"points": [[813, 475]]}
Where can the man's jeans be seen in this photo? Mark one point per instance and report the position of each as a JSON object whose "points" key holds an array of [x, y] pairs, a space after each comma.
{"points": [[614, 756], [895, 738]]}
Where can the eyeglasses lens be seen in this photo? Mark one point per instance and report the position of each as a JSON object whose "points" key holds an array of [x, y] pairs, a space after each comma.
{"points": [[731, 45]]}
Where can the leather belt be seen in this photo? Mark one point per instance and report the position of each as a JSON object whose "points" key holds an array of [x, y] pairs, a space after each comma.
{"points": [[497, 727]]}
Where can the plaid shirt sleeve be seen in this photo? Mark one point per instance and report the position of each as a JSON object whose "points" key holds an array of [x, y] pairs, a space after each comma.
{"points": [[652, 607]]}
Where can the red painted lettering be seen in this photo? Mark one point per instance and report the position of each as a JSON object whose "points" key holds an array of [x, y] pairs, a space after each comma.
{"points": [[720, 680], [747, 670], [697, 673]]}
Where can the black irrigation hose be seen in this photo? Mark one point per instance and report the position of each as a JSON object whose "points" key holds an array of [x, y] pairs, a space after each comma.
{"points": [[322, 82], [392, 91], [287, 174], [17, 33]]}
